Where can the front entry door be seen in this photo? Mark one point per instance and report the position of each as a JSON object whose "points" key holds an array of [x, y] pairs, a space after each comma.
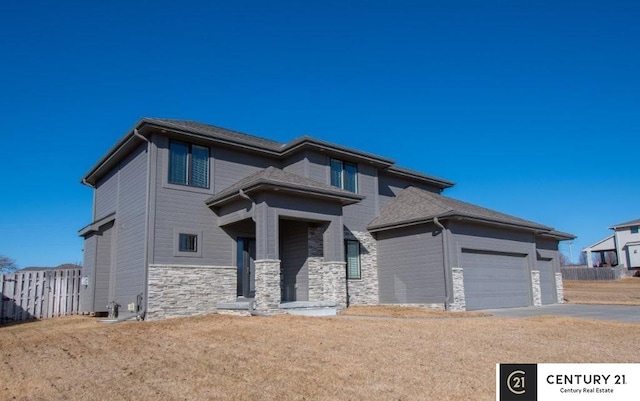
{"points": [[246, 267]]}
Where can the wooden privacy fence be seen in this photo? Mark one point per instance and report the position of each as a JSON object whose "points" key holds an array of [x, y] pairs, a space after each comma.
{"points": [[39, 294], [593, 273]]}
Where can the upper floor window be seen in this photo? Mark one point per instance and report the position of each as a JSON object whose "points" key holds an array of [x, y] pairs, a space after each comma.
{"points": [[188, 164], [634, 229], [344, 175]]}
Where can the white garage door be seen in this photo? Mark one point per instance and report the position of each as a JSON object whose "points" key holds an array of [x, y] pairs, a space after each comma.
{"points": [[495, 280], [547, 281]]}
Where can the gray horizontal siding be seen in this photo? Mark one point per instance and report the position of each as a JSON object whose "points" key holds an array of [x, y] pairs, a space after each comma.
{"points": [[318, 167], [130, 225], [230, 166], [88, 270], [358, 216], [296, 164], [548, 264], [106, 195], [410, 266], [389, 187], [104, 257], [293, 254]]}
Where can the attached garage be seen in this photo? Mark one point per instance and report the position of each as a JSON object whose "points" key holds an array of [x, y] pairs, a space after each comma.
{"points": [[487, 257], [495, 280], [547, 281]]}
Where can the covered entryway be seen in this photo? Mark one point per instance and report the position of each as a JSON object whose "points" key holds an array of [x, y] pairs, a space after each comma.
{"points": [[495, 279], [547, 281]]}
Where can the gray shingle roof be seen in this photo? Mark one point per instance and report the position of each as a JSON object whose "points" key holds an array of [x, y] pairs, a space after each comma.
{"points": [[272, 176], [218, 132], [628, 224], [414, 205]]}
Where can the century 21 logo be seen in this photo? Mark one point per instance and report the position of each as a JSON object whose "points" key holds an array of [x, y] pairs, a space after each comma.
{"points": [[515, 382], [518, 382]]}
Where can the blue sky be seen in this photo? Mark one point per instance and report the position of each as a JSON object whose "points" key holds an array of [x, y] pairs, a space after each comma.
{"points": [[532, 108]]}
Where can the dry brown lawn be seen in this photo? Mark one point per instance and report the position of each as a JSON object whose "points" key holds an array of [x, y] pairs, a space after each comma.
{"points": [[625, 291], [218, 357], [405, 312]]}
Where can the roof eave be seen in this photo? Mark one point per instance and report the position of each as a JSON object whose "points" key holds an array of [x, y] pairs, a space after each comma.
{"points": [[439, 182], [263, 185], [301, 143]]}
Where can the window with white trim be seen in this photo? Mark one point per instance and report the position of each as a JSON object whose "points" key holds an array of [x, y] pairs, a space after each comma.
{"points": [[188, 164], [344, 175], [352, 253]]}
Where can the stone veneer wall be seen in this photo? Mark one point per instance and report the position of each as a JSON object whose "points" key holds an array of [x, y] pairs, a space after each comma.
{"points": [[268, 295], [535, 287], [365, 290], [559, 288], [335, 285], [184, 290], [459, 303], [314, 263]]}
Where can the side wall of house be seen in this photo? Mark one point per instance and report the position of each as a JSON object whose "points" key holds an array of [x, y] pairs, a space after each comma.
{"points": [[129, 233], [88, 270], [623, 237], [410, 266]]}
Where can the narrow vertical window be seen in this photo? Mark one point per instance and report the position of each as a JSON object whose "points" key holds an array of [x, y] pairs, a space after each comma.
{"points": [[353, 259], [178, 155], [336, 173], [350, 177], [199, 166]]}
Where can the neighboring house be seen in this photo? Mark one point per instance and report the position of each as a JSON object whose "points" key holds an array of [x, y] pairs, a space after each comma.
{"points": [[622, 248], [189, 218]]}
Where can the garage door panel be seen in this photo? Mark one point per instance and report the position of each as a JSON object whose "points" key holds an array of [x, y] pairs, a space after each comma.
{"points": [[547, 281], [495, 280]]}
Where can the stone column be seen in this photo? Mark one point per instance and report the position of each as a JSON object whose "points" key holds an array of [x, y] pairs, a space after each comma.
{"points": [[535, 287], [559, 288], [335, 283], [314, 263], [364, 290], [458, 304], [267, 298]]}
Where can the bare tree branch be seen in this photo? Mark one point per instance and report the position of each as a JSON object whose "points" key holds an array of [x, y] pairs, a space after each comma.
{"points": [[7, 265]]}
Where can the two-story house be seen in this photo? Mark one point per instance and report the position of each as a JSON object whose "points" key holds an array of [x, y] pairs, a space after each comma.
{"points": [[189, 218], [622, 248]]}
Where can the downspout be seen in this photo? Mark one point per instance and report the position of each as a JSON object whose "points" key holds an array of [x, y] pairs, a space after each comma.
{"points": [[141, 314], [445, 257]]}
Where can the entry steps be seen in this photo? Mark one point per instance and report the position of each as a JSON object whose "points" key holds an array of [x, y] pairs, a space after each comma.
{"points": [[302, 308]]}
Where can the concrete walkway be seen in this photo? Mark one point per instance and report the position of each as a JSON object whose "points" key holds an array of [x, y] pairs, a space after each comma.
{"points": [[620, 313]]}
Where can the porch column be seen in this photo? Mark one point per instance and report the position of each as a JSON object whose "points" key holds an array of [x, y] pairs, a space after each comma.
{"points": [[267, 265], [334, 266]]}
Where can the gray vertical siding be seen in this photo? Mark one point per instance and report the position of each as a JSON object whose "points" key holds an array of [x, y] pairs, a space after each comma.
{"points": [[130, 227], [103, 267], [89, 271], [410, 266], [293, 258]]}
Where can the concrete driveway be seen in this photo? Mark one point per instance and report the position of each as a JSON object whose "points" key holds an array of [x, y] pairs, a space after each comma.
{"points": [[620, 313]]}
